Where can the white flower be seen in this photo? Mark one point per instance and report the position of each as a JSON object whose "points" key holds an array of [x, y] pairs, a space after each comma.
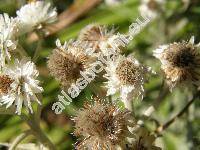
{"points": [[127, 76], [8, 33], [35, 15], [19, 85], [151, 8]]}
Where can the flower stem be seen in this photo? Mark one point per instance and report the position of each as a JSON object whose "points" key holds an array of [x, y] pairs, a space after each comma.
{"points": [[39, 45], [129, 105], [39, 109], [22, 51], [36, 54], [168, 123], [20, 138], [162, 94], [38, 133]]}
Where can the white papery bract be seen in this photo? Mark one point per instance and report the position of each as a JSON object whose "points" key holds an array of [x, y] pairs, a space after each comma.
{"points": [[8, 33], [19, 85], [36, 15], [127, 76]]}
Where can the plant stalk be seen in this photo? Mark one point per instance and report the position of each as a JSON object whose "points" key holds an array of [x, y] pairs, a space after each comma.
{"points": [[38, 133], [19, 139]]}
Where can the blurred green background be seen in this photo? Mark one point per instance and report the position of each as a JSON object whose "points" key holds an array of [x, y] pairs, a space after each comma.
{"points": [[179, 22]]}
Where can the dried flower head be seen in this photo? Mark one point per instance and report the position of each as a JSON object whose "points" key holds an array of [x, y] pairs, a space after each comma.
{"points": [[8, 33], [151, 8], [180, 62], [66, 62], [94, 35], [18, 85], [127, 76], [144, 140], [36, 15], [103, 126]]}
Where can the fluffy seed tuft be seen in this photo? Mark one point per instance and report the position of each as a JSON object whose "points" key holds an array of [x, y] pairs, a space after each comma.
{"points": [[180, 62], [66, 62], [102, 125]]}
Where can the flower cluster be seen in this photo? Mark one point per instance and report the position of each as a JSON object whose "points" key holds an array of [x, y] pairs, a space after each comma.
{"points": [[101, 124], [18, 83], [124, 74]]}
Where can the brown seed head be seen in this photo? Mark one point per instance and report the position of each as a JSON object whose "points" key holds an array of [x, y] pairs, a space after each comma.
{"points": [[181, 55], [102, 125], [180, 63], [5, 82], [128, 72], [66, 66]]}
